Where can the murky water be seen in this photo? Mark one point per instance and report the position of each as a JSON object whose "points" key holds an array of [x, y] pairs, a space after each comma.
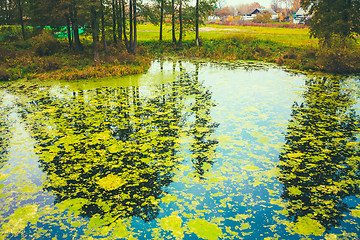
{"points": [[190, 150]]}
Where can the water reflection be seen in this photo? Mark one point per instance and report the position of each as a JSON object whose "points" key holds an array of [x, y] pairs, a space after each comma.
{"points": [[4, 132], [320, 163], [111, 152], [203, 146]]}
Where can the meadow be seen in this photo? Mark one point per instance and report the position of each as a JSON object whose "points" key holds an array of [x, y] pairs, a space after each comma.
{"points": [[292, 37], [290, 47]]}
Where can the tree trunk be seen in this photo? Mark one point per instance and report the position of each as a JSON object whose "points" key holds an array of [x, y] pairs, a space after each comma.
{"points": [[114, 21], [197, 23], [75, 27], [173, 21], [103, 37], [3, 12], [135, 32], [181, 24], [21, 19], [161, 19], [131, 25], [124, 24], [119, 19], [95, 36], [68, 28]]}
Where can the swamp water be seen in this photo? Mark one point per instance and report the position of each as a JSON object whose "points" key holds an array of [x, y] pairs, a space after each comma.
{"points": [[189, 150]]}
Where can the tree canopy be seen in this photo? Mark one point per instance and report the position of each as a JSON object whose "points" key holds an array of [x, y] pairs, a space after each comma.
{"points": [[333, 17], [103, 18]]}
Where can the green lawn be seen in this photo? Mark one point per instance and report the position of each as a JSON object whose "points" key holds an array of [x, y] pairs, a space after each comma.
{"points": [[292, 37]]}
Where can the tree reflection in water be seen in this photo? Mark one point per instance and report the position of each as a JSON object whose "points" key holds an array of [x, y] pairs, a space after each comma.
{"points": [[109, 153], [203, 146], [4, 132], [319, 165]]}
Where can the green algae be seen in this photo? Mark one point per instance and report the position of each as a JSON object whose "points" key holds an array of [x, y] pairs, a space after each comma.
{"points": [[204, 229], [172, 223], [308, 226], [20, 219], [152, 162]]}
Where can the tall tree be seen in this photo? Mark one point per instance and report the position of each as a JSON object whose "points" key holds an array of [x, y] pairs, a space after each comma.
{"points": [[203, 8], [124, 24], [114, 18], [245, 8], [335, 17], [102, 15], [180, 23], [161, 19], [275, 5], [21, 18], [68, 29], [119, 19], [197, 23], [296, 5], [130, 37], [7, 12], [73, 10], [134, 44], [94, 30], [173, 21]]}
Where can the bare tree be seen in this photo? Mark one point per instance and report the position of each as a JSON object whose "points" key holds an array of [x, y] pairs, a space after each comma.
{"points": [[296, 5], [275, 5], [247, 8]]}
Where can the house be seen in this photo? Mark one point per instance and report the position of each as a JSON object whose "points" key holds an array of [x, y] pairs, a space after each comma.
{"points": [[301, 16], [262, 11], [257, 11]]}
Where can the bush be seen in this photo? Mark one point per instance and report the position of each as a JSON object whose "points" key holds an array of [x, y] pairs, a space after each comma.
{"points": [[4, 75], [263, 18], [23, 45], [5, 53], [45, 44], [339, 56], [48, 64], [10, 33]]}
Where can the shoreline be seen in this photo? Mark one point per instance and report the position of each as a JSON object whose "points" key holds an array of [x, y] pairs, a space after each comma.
{"points": [[68, 65]]}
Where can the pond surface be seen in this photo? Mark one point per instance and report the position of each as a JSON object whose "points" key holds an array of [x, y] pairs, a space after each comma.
{"points": [[189, 150]]}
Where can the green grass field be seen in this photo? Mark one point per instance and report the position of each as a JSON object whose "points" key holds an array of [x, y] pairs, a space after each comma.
{"points": [[292, 37]]}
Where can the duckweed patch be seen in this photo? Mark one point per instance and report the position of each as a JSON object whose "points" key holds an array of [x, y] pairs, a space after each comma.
{"points": [[189, 150]]}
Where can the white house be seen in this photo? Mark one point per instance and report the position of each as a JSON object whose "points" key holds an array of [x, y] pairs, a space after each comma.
{"points": [[257, 11], [301, 16]]}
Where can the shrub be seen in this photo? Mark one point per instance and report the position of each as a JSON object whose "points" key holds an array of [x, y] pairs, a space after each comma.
{"points": [[10, 33], [23, 45], [4, 53], [4, 75], [263, 18], [339, 56], [45, 44], [50, 64]]}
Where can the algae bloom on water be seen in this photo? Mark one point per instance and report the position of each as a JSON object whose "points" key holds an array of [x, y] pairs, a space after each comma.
{"points": [[189, 150]]}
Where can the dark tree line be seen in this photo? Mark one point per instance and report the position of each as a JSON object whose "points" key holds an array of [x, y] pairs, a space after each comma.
{"points": [[103, 18]]}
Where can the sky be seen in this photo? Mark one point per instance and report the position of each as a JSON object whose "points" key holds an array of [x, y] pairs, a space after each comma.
{"points": [[265, 3]]}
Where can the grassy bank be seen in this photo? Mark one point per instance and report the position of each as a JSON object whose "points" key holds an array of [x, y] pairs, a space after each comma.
{"points": [[247, 47], [285, 46], [46, 57]]}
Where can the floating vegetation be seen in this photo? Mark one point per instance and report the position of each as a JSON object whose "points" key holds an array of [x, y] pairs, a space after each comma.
{"points": [[320, 163], [186, 151]]}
